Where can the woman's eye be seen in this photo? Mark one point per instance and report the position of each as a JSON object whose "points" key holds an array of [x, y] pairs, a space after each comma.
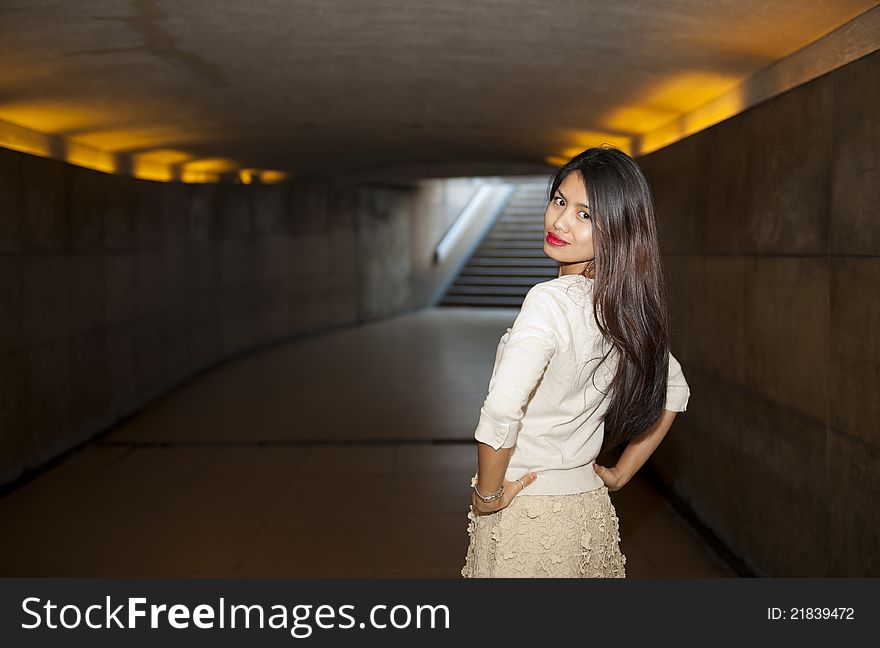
{"points": [[585, 214], [556, 199]]}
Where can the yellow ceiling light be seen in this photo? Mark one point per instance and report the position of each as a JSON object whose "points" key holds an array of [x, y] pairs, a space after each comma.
{"points": [[49, 118], [146, 170], [582, 139], [730, 103], [18, 138], [211, 165], [641, 118], [196, 177], [555, 160], [90, 158], [122, 140], [25, 140], [206, 170], [159, 165], [273, 177], [163, 156], [262, 176], [669, 100], [247, 176]]}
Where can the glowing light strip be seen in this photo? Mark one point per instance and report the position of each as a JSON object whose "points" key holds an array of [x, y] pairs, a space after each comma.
{"points": [[182, 169], [853, 40]]}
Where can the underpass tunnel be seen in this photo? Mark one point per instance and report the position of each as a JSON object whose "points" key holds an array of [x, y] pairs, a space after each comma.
{"points": [[255, 259]]}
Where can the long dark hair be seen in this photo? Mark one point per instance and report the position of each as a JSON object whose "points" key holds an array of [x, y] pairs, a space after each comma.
{"points": [[629, 287]]}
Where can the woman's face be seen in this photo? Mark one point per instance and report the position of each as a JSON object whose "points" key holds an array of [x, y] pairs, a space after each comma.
{"points": [[568, 219]]}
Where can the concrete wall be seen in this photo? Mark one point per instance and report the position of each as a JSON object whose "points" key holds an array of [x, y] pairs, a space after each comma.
{"points": [[383, 252], [114, 290], [771, 234]]}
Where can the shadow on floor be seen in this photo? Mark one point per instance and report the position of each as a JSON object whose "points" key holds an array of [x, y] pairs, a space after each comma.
{"points": [[347, 454]]}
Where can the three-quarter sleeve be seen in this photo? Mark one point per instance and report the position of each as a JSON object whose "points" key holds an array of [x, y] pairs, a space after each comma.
{"points": [[677, 390], [535, 336]]}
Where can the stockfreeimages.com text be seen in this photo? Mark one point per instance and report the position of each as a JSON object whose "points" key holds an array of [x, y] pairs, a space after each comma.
{"points": [[299, 619]]}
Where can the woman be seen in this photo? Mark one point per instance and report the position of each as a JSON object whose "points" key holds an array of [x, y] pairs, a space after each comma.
{"points": [[585, 366]]}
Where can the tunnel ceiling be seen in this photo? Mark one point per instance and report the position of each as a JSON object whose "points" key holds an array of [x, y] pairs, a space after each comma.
{"points": [[333, 87]]}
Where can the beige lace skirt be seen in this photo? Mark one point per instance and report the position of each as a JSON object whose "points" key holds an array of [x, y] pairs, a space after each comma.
{"points": [[541, 536]]}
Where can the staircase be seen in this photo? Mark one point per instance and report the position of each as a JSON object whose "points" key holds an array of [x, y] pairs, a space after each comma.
{"points": [[511, 258]]}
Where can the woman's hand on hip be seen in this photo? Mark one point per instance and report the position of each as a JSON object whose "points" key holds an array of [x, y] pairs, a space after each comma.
{"points": [[511, 490], [612, 477]]}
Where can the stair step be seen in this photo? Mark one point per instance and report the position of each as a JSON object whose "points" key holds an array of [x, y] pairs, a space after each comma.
{"points": [[524, 210], [531, 219], [510, 253], [493, 291], [516, 234], [482, 280], [510, 244], [537, 262], [528, 198], [522, 226], [524, 247], [534, 203], [539, 273], [524, 243], [515, 237], [466, 300]]}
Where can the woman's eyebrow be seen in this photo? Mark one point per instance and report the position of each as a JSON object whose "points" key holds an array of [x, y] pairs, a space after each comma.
{"points": [[566, 199]]}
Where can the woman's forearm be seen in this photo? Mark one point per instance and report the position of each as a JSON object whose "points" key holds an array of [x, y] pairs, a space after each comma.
{"points": [[492, 465], [642, 446]]}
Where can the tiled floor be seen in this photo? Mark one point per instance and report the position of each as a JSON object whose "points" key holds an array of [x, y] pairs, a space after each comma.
{"points": [[347, 454]]}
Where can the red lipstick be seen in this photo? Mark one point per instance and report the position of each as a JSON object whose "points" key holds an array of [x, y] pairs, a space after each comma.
{"points": [[555, 240]]}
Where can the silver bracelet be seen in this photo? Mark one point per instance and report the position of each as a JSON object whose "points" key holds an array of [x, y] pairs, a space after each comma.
{"points": [[491, 498]]}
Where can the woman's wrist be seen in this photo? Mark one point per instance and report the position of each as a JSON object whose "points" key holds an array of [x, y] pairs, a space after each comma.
{"points": [[485, 507], [623, 474], [488, 497]]}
